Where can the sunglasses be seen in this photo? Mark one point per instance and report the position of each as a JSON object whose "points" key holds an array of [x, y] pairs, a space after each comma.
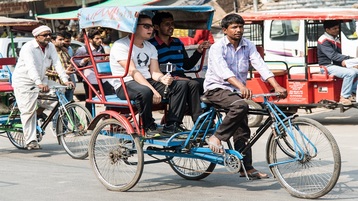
{"points": [[45, 35], [147, 26]]}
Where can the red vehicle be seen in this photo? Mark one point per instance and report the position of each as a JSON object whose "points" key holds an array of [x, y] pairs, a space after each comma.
{"points": [[308, 84]]}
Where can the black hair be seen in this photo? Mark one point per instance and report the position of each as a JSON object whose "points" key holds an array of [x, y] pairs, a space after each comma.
{"points": [[92, 33], [54, 35], [330, 23], [231, 19], [106, 40], [143, 16], [66, 34], [159, 16]]}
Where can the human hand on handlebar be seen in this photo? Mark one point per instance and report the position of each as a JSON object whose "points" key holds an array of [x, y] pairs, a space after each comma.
{"points": [[281, 91], [70, 85], [245, 93], [43, 88]]}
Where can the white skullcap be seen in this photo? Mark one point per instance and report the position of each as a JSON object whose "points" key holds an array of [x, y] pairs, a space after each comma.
{"points": [[40, 29]]}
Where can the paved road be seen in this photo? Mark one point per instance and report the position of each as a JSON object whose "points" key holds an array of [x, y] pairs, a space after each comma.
{"points": [[50, 174]]}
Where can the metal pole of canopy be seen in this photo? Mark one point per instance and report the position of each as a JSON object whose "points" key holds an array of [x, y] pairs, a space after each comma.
{"points": [[8, 29]]}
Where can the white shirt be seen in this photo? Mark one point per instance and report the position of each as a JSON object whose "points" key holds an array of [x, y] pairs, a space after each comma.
{"points": [[32, 64], [140, 56]]}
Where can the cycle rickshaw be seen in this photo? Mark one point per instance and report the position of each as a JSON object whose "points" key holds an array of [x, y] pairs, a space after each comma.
{"points": [[302, 154]]}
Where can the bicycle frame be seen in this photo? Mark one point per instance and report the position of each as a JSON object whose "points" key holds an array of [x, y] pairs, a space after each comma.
{"points": [[276, 118]]}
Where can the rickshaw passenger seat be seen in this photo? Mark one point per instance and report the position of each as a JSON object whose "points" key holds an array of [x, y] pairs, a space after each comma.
{"points": [[103, 68]]}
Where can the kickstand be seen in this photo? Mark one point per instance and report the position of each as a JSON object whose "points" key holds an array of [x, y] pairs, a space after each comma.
{"points": [[243, 167]]}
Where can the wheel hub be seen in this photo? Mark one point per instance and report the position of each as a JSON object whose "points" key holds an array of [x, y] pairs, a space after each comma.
{"points": [[232, 163]]}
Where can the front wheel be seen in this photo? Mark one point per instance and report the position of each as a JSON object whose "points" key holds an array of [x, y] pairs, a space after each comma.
{"points": [[310, 172], [72, 130], [116, 156]]}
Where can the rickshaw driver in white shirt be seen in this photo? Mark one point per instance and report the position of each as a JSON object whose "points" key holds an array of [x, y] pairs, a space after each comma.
{"points": [[35, 57]]}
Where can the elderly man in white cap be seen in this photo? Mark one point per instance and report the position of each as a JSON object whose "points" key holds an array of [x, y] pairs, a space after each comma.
{"points": [[35, 57]]}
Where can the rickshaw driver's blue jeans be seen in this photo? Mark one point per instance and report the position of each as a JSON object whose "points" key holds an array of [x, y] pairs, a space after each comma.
{"points": [[348, 75]]}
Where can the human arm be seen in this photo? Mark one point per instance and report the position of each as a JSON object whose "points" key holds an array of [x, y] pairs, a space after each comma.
{"points": [[259, 64], [81, 52], [190, 62]]}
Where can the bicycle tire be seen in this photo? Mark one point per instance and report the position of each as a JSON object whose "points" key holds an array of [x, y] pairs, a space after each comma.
{"points": [[191, 168], [17, 138], [16, 135], [116, 156], [74, 140], [316, 174]]}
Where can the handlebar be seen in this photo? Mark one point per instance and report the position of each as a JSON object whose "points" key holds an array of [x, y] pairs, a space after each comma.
{"points": [[259, 95], [53, 88]]}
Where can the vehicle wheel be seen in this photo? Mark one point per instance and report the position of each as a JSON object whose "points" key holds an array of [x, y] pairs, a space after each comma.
{"points": [[116, 156], [191, 168], [72, 130], [16, 135], [254, 120], [314, 173], [17, 139]]}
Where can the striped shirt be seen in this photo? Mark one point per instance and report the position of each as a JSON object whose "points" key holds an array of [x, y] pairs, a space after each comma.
{"points": [[175, 53], [225, 62]]}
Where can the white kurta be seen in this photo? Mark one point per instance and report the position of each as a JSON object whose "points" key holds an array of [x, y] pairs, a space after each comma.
{"points": [[30, 72]]}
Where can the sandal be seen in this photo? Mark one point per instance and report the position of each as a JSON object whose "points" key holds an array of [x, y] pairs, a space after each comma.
{"points": [[255, 175]]}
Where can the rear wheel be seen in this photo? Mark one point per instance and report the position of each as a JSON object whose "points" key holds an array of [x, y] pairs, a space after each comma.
{"points": [[191, 168], [116, 156], [72, 130], [17, 138], [312, 174]]}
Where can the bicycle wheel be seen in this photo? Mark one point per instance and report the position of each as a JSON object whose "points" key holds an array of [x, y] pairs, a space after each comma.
{"points": [[317, 172], [191, 168], [17, 138], [72, 130], [116, 156]]}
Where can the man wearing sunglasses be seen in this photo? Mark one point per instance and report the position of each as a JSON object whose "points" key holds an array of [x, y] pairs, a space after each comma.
{"points": [[145, 83], [35, 57]]}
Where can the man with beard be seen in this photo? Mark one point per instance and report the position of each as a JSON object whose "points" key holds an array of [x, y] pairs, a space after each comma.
{"points": [[95, 40], [35, 57]]}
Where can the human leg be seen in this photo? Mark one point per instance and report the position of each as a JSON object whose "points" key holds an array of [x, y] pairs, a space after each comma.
{"points": [[177, 101], [27, 104], [241, 137], [348, 76], [237, 111], [193, 99], [143, 97]]}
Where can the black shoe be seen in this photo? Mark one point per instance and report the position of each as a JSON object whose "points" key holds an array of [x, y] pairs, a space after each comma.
{"points": [[173, 128], [152, 131]]}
